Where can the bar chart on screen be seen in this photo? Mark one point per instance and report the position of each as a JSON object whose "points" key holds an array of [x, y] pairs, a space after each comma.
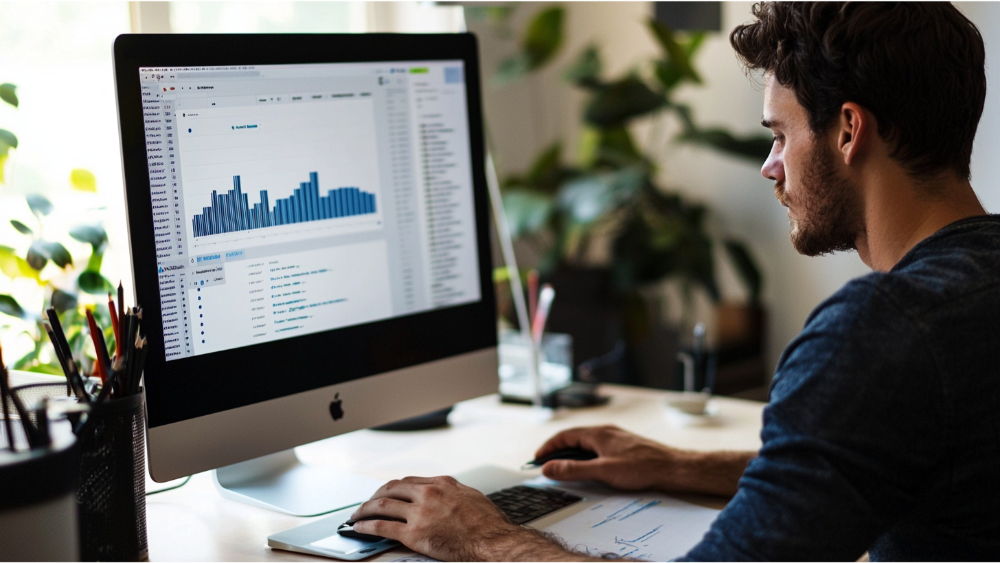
{"points": [[279, 173], [230, 212]]}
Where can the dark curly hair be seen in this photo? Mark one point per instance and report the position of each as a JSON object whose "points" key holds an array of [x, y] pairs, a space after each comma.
{"points": [[918, 67]]}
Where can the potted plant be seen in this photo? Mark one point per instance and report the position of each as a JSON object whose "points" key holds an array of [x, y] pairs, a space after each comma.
{"points": [[611, 190], [41, 251]]}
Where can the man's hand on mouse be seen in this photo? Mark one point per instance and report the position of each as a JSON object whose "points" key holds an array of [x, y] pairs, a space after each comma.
{"points": [[625, 461], [632, 463], [440, 517]]}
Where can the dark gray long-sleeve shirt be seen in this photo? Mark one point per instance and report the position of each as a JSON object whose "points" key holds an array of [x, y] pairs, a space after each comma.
{"points": [[883, 430]]}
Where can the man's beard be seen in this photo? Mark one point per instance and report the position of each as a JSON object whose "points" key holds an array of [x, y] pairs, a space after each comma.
{"points": [[830, 207]]}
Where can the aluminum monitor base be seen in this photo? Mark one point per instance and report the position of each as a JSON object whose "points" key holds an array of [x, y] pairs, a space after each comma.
{"points": [[282, 483]]}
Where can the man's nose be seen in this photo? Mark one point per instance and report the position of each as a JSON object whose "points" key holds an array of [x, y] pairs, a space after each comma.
{"points": [[774, 167]]}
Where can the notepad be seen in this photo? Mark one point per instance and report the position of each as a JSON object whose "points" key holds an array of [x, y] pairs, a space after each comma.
{"points": [[651, 526]]}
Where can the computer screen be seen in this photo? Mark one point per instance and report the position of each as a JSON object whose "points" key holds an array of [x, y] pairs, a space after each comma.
{"points": [[309, 234], [295, 199]]}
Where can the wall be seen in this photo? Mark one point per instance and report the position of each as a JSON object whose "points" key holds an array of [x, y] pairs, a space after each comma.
{"points": [[527, 116]]}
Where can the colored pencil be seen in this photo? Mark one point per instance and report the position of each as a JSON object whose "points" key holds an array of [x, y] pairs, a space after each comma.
{"points": [[62, 359], [60, 335], [121, 308], [114, 319], [95, 333]]}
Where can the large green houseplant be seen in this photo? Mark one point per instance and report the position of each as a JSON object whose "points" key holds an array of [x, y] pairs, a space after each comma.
{"points": [[611, 188], [41, 251]]}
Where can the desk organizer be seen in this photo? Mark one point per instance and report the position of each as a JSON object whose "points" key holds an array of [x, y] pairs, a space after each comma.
{"points": [[110, 475], [38, 517], [111, 494]]}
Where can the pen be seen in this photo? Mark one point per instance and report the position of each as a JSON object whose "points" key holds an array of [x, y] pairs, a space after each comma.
{"points": [[542, 315]]}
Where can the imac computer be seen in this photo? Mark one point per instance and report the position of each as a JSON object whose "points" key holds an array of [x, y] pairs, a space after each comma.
{"points": [[308, 227]]}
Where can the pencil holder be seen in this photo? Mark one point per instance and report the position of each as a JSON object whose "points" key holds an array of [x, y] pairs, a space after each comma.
{"points": [[111, 495]]}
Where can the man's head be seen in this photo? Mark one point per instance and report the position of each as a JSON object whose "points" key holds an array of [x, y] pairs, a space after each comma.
{"points": [[909, 75]]}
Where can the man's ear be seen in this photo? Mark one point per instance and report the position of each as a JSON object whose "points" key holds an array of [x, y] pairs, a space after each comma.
{"points": [[854, 129]]}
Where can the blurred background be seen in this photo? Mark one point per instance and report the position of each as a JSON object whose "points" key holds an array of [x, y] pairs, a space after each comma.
{"points": [[627, 142]]}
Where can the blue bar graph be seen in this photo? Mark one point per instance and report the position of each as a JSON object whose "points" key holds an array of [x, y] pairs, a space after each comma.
{"points": [[231, 212]]}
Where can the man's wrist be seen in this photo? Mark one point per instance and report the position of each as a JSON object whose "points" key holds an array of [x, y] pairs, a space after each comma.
{"points": [[714, 473]]}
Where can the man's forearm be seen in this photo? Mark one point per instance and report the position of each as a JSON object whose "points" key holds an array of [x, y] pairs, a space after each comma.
{"points": [[713, 473], [524, 544]]}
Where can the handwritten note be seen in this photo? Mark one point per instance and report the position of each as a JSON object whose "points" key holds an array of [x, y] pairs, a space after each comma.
{"points": [[653, 527]]}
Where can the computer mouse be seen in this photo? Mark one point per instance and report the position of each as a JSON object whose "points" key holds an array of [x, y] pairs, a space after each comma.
{"points": [[347, 529], [576, 454]]}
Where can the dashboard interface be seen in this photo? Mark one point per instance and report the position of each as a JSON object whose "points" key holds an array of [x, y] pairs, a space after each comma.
{"points": [[294, 199]]}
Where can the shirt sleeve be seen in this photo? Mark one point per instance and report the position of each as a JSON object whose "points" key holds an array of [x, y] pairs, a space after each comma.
{"points": [[854, 427]]}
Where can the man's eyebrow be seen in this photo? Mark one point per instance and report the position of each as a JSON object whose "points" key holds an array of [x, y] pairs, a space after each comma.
{"points": [[769, 123]]}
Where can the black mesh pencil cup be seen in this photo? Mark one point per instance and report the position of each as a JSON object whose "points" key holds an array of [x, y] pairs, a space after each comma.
{"points": [[112, 489]]}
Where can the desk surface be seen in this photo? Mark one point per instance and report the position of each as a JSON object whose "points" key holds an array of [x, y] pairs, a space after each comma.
{"points": [[195, 523]]}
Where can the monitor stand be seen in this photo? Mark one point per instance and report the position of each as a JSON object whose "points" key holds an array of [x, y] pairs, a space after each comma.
{"points": [[282, 483]]}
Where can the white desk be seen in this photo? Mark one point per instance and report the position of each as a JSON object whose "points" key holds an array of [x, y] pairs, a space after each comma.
{"points": [[195, 523]]}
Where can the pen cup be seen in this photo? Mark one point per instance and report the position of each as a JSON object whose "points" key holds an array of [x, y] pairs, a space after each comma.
{"points": [[555, 361], [38, 519], [112, 491]]}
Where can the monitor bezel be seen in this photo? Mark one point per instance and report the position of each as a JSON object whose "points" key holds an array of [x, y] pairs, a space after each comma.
{"points": [[179, 390]]}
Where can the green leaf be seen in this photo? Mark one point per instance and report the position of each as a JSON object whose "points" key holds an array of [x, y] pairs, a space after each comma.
{"points": [[94, 235], [621, 101], [511, 69], [8, 141], [37, 255], [83, 180], [3, 162], [7, 94], [13, 266], [42, 251], [58, 254], [21, 227], [46, 368], [668, 74], [39, 204], [586, 71], [63, 301], [93, 282], [694, 42], [526, 211], [95, 260], [675, 53], [746, 268], [10, 306], [543, 37], [588, 198], [753, 147], [27, 360], [615, 148]]}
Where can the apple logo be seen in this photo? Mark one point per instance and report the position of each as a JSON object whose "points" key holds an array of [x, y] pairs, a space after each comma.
{"points": [[336, 411]]}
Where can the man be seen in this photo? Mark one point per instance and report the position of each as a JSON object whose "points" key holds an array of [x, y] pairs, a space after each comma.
{"points": [[883, 429]]}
